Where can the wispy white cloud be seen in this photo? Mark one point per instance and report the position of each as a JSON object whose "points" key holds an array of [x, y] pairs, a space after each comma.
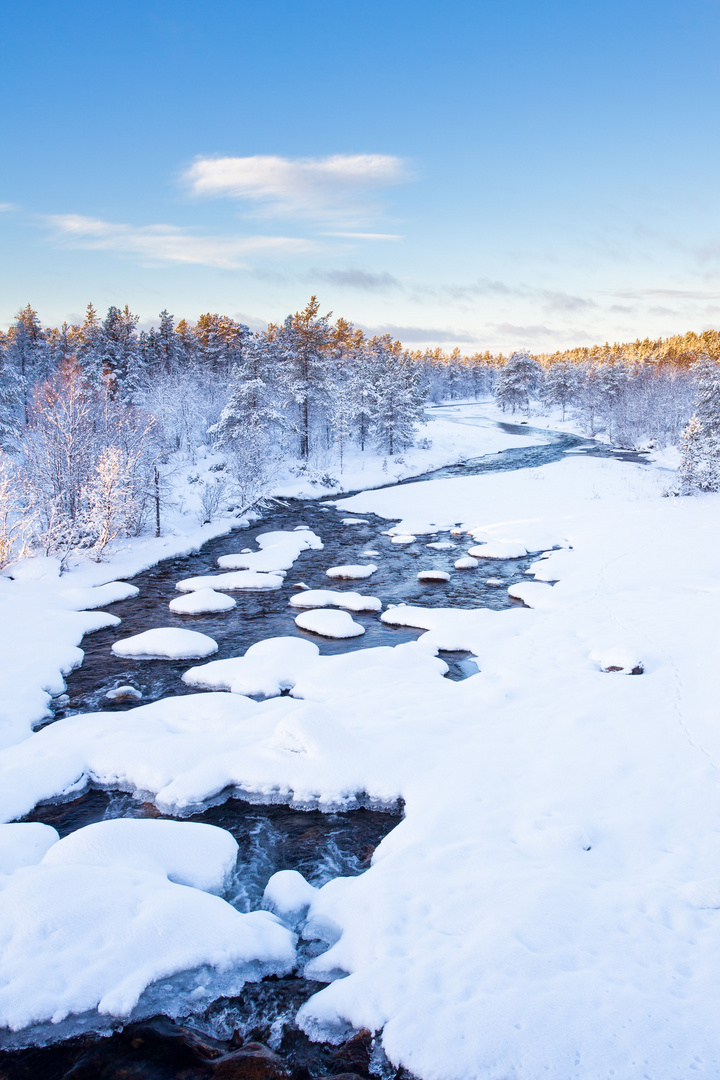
{"points": [[424, 334], [357, 279], [365, 235], [328, 189], [169, 243], [7, 207]]}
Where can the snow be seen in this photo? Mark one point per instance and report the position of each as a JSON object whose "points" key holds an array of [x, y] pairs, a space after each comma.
{"points": [[403, 538], [498, 549], [123, 693], [118, 906], [266, 669], [238, 579], [332, 624], [278, 551], [288, 895], [351, 601], [433, 575], [201, 602], [24, 844], [466, 563], [188, 853], [441, 545], [166, 643], [550, 898], [352, 572], [354, 521], [497, 583]]}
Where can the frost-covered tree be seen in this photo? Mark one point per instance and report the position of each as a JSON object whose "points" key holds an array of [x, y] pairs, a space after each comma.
{"points": [[302, 347], [396, 393], [27, 354], [700, 441], [517, 381], [559, 385]]}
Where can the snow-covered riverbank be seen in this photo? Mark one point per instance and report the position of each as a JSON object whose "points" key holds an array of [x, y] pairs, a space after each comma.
{"points": [[549, 906]]}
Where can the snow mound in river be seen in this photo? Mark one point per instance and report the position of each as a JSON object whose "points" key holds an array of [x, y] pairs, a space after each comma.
{"points": [[166, 643], [498, 549], [99, 919], [331, 624], [238, 579], [352, 572], [351, 601], [201, 602], [266, 669], [278, 551]]}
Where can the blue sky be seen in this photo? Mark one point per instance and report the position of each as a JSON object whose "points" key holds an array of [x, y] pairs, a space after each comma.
{"points": [[489, 174]]}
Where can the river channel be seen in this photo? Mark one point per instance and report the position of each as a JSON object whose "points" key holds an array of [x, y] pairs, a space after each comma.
{"points": [[235, 1033]]}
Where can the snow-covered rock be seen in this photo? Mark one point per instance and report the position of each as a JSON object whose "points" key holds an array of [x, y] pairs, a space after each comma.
{"points": [[166, 643], [278, 551], [331, 624], [403, 538], [433, 575], [466, 563], [100, 919], [266, 669], [288, 895], [352, 572], [201, 602], [351, 601], [124, 693], [441, 545], [238, 579]]}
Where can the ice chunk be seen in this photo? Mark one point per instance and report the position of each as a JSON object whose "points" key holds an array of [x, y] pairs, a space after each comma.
{"points": [[351, 601], [200, 602], [239, 579], [267, 668], [433, 575], [352, 572], [466, 563], [166, 643], [186, 852], [332, 624], [24, 843]]}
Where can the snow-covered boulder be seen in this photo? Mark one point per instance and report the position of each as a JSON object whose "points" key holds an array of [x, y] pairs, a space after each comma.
{"points": [[288, 895], [124, 693], [332, 624], [238, 579], [100, 919], [351, 601], [201, 602], [166, 643], [278, 551], [403, 538], [466, 563], [351, 573], [266, 669], [433, 575]]}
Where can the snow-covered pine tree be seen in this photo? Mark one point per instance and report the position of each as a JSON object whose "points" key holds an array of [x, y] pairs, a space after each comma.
{"points": [[517, 381], [28, 354], [700, 441], [397, 395], [559, 385], [303, 348]]}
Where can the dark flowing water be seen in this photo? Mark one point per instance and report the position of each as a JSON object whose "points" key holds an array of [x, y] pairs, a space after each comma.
{"points": [[320, 846]]}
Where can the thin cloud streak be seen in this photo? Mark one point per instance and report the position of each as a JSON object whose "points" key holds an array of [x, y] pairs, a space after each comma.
{"points": [[357, 279], [169, 243], [330, 188]]}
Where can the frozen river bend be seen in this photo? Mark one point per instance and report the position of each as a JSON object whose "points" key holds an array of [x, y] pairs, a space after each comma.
{"points": [[549, 905]]}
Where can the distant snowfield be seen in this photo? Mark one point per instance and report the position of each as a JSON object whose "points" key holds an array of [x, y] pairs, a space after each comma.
{"points": [[550, 905]]}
